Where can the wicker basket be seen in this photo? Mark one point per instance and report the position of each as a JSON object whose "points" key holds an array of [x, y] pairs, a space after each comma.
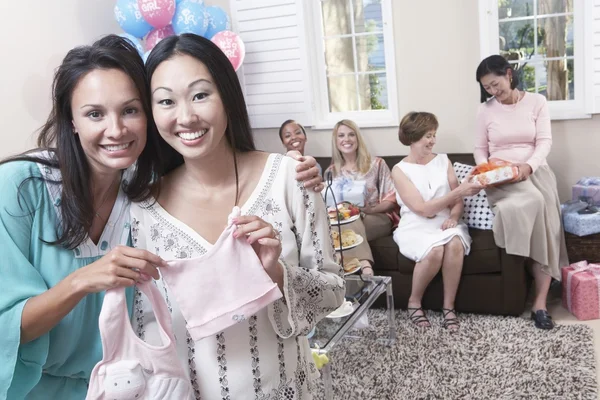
{"points": [[581, 248]]}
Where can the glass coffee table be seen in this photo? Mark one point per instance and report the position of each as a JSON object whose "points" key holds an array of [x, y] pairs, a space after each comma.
{"points": [[329, 331]]}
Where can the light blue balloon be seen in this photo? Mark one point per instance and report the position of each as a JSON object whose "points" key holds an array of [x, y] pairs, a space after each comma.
{"points": [[135, 42], [218, 21], [201, 2], [145, 56], [190, 17], [130, 18]]}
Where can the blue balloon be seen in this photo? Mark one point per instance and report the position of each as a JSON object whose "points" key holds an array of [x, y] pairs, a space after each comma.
{"points": [[130, 18], [135, 42], [201, 2], [145, 56], [218, 21], [190, 17]]}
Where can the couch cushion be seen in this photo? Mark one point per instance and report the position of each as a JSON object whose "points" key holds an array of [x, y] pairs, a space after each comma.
{"points": [[477, 213], [483, 258]]}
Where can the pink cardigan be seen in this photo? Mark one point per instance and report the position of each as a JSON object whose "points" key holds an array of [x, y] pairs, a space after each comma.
{"points": [[518, 134]]}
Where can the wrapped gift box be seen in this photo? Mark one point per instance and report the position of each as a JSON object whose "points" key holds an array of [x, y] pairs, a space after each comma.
{"points": [[587, 189], [495, 173], [581, 224], [581, 290]]}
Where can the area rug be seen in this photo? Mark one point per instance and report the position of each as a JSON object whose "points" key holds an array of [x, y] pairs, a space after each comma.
{"points": [[489, 358]]}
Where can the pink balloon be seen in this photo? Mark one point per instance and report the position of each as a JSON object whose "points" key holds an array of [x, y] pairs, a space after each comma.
{"points": [[156, 35], [157, 13], [232, 45]]}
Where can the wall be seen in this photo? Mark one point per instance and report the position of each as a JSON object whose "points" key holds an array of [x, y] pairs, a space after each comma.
{"points": [[36, 35], [436, 56], [436, 73]]}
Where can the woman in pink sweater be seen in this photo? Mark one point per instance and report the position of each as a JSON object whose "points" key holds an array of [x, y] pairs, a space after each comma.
{"points": [[514, 125]]}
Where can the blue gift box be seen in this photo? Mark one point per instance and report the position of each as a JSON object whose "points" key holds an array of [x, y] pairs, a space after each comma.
{"points": [[581, 224]]}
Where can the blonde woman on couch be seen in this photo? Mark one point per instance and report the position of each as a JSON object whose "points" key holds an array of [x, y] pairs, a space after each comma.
{"points": [[430, 231], [514, 125], [365, 181]]}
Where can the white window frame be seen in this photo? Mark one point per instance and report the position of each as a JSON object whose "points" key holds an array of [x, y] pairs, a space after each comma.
{"points": [[581, 106], [323, 118]]}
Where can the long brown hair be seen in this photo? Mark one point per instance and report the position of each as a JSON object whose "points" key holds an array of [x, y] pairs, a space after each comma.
{"points": [[67, 155]]}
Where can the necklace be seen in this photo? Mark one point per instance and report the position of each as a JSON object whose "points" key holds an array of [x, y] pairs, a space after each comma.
{"points": [[350, 167], [96, 211], [512, 106]]}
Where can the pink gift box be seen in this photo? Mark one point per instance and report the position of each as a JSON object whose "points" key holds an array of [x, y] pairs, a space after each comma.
{"points": [[581, 290]]}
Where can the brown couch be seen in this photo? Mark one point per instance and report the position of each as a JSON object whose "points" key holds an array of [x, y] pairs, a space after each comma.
{"points": [[493, 282]]}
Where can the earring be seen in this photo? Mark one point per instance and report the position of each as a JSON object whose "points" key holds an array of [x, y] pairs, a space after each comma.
{"points": [[511, 79]]}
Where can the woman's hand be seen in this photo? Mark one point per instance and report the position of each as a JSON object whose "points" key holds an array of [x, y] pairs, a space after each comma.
{"points": [[123, 266], [366, 209], [449, 223], [468, 188], [307, 171], [266, 243], [524, 171]]}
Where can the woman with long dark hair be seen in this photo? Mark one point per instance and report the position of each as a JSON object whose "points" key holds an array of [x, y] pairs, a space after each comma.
{"points": [[217, 178], [514, 125], [65, 222]]}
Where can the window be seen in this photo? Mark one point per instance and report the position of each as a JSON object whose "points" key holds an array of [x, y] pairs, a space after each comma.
{"points": [[545, 42], [317, 61], [352, 62], [274, 75]]}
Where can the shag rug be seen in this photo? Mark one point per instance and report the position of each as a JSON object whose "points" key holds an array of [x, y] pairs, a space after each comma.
{"points": [[489, 358]]}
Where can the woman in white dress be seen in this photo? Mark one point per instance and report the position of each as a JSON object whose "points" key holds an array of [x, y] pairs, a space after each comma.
{"points": [[430, 231], [201, 116]]}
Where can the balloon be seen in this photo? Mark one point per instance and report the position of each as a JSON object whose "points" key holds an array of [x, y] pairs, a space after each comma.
{"points": [[130, 18], [190, 17], [135, 42], [201, 2], [145, 56], [157, 13], [157, 35], [218, 21], [232, 45]]}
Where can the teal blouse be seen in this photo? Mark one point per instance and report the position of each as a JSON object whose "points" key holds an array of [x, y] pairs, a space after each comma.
{"points": [[58, 364]]}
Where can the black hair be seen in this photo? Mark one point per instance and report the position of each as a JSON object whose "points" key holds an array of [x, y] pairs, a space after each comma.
{"points": [[58, 138], [498, 66], [290, 121], [238, 132]]}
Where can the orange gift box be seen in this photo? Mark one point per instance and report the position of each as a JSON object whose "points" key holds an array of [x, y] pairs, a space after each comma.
{"points": [[496, 173]]}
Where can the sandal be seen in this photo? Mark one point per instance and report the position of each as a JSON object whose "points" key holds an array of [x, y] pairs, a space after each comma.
{"points": [[419, 320], [451, 324]]}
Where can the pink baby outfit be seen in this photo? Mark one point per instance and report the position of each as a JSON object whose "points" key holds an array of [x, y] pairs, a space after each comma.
{"points": [[226, 285], [130, 368]]}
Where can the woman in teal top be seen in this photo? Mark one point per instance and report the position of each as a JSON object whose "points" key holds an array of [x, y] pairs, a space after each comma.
{"points": [[64, 221]]}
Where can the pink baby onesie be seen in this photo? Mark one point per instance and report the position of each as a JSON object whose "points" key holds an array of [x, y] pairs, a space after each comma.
{"points": [[130, 368], [226, 285]]}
